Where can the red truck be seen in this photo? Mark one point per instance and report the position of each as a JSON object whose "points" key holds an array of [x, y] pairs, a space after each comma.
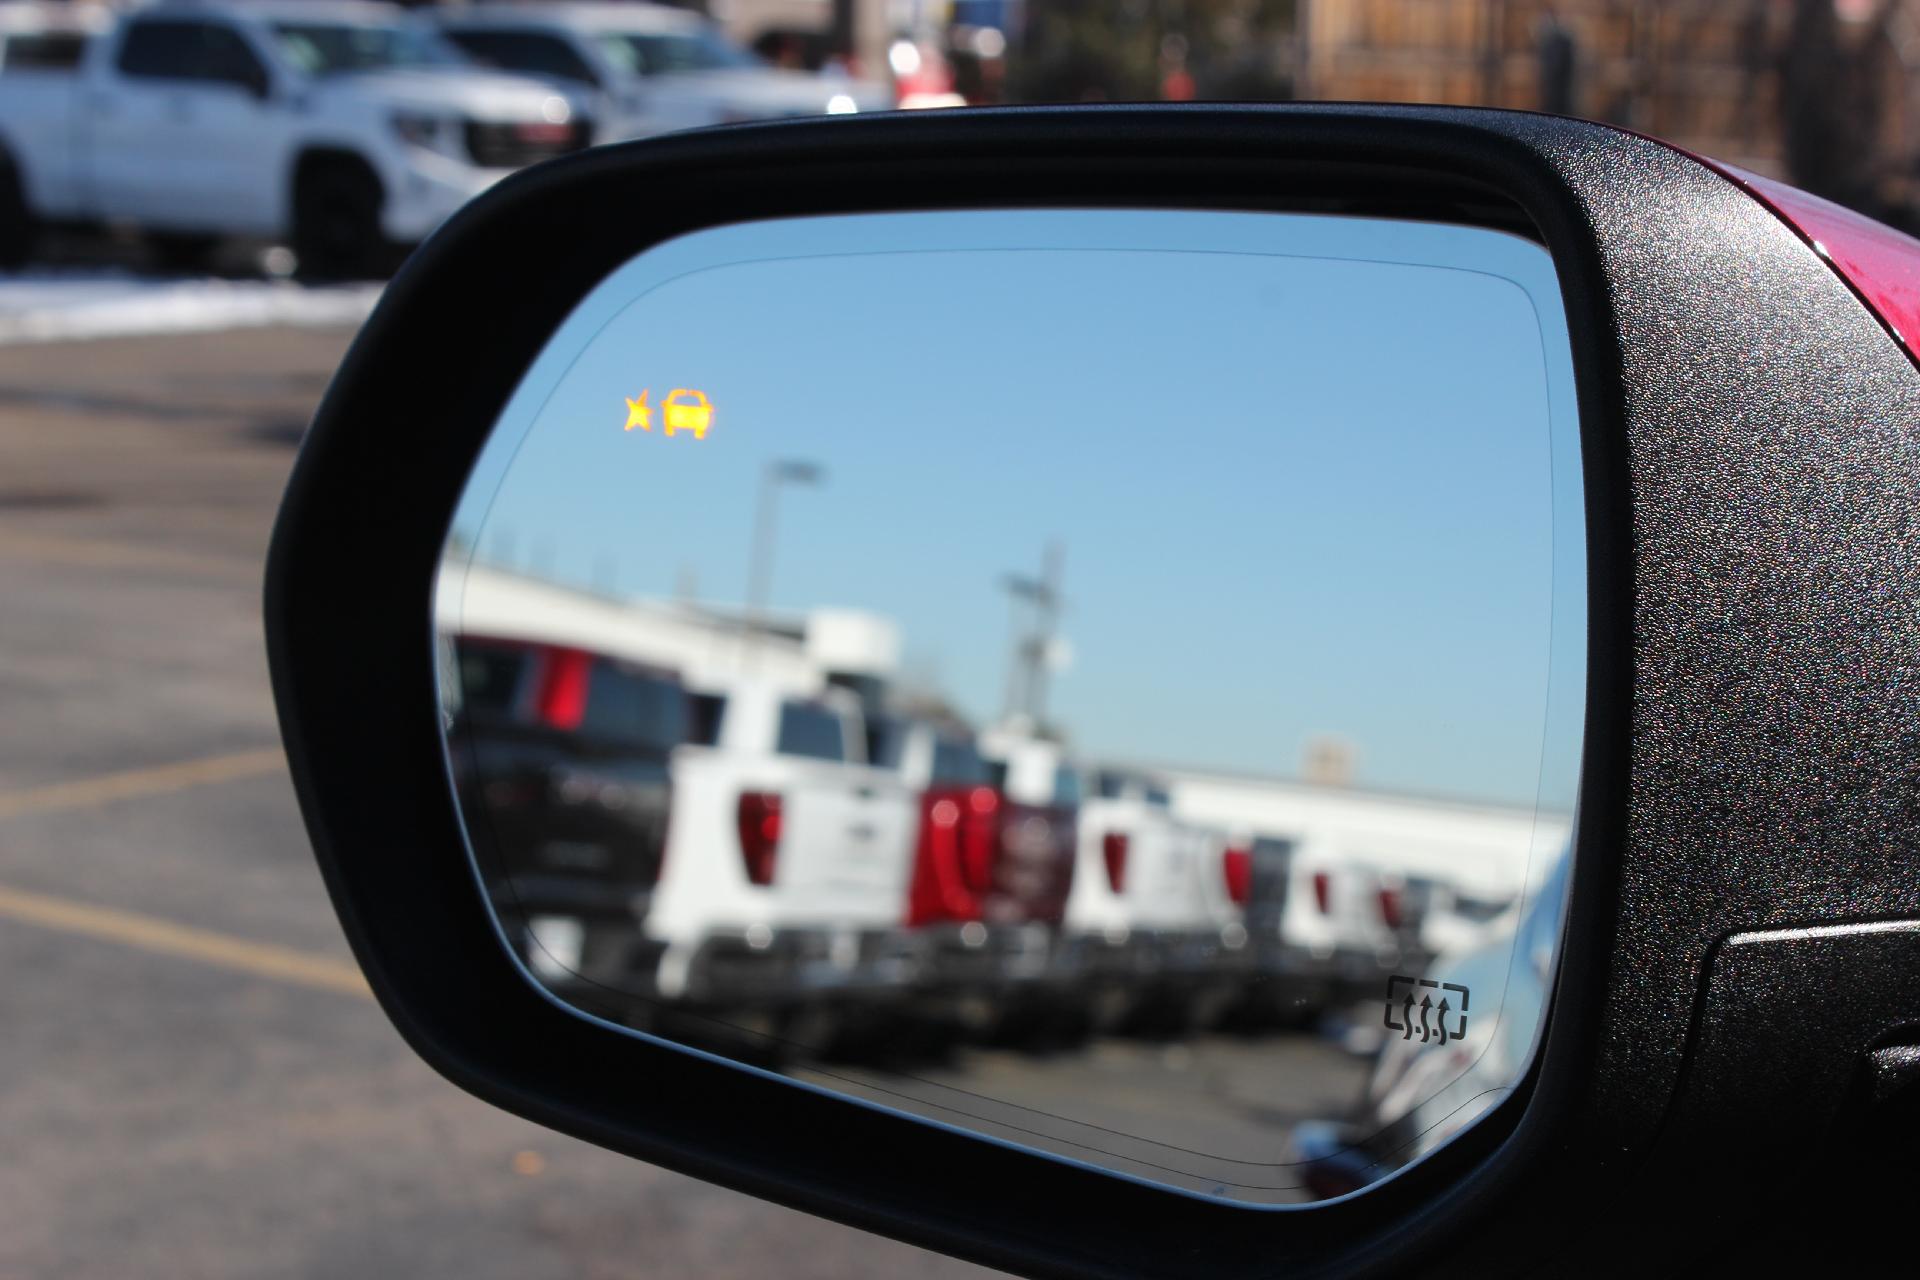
{"points": [[991, 873]]}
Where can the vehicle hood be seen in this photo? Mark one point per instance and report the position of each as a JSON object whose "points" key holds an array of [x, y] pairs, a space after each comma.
{"points": [[457, 91], [765, 91]]}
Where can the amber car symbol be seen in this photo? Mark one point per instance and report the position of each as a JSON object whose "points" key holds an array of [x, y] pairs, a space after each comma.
{"points": [[688, 411]]}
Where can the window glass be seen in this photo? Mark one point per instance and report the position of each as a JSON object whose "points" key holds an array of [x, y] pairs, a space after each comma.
{"points": [[665, 52], [157, 50], [808, 729], [202, 52], [957, 763], [886, 741], [704, 711], [330, 48], [491, 675], [636, 706], [528, 52], [225, 58], [45, 51]]}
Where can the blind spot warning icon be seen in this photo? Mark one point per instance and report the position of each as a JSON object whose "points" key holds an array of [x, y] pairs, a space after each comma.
{"points": [[639, 414], [688, 411]]}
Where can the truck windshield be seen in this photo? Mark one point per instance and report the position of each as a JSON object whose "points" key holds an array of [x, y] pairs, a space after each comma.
{"points": [[1113, 785], [661, 52], [324, 49]]}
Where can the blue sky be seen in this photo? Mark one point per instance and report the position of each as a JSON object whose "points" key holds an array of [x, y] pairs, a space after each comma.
{"points": [[1320, 478]]}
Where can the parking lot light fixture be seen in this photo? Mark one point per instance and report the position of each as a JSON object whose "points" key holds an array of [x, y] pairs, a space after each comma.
{"points": [[794, 471]]}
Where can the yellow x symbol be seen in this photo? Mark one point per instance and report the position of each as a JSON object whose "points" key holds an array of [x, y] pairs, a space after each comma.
{"points": [[638, 414]]}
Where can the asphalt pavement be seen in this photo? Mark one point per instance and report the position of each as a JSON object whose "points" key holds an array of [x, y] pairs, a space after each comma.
{"points": [[193, 1078]]}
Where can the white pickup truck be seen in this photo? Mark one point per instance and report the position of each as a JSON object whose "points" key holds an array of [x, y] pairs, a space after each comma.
{"points": [[648, 68], [784, 883], [1346, 920], [1153, 904], [341, 127]]}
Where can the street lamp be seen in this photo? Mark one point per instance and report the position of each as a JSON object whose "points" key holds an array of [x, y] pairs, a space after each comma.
{"points": [[760, 568]]}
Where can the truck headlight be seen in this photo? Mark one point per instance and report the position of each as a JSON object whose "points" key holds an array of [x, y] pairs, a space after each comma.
{"points": [[416, 130]]}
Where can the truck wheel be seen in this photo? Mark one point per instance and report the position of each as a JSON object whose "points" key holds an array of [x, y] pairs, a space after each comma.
{"points": [[18, 227], [336, 224]]}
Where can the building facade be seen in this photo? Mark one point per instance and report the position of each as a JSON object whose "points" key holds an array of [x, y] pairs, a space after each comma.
{"points": [[1821, 92]]}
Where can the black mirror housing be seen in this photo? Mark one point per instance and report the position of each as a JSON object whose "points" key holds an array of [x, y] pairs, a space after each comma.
{"points": [[1748, 808]]}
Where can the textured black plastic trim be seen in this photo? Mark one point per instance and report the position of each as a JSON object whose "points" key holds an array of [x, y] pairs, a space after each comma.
{"points": [[1750, 465]]}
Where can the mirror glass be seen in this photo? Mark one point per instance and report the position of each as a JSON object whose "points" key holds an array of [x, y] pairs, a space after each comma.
{"points": [[1108, 680]]}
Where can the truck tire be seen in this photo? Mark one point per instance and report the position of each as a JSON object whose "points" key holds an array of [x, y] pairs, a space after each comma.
{"points": [[336, 222], [18, 226]]}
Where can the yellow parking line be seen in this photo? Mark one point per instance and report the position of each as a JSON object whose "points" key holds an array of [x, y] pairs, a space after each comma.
{"points": [[135, 783], [149, 933]]}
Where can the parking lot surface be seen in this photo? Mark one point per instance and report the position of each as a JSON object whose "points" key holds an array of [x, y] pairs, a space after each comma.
{"points": [[193, 1079]]}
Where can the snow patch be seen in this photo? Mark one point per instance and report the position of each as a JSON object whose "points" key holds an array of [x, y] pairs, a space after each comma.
{"points": [[55, 306]]}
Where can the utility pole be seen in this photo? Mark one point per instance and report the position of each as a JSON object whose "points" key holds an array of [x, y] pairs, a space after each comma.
{"points": [[1032, 650], [1019, 590], [1046, 624]]}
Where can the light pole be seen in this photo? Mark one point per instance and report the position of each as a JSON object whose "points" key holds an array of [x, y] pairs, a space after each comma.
{"points": [[760, 566]]}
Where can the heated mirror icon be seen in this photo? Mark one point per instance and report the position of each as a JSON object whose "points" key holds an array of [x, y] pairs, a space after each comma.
{"points": [[1422, 1005]]}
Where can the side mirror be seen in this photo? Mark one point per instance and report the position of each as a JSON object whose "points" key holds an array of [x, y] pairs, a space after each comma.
{"points": [[1130, 691]]}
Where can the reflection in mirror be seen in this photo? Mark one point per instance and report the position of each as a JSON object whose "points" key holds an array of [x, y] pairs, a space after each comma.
{"points": [[1112, 681]]}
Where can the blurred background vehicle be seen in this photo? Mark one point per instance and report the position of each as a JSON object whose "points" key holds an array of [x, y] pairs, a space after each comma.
{"points": [[1151, 892], [802, 922], [338, 127], [647, 68], [355, 138], [1292, 978], [563, 762], [1362, 913], [991, 874]]}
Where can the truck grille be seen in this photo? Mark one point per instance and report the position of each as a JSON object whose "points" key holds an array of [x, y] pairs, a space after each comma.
{"points": [[508, 146]]}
